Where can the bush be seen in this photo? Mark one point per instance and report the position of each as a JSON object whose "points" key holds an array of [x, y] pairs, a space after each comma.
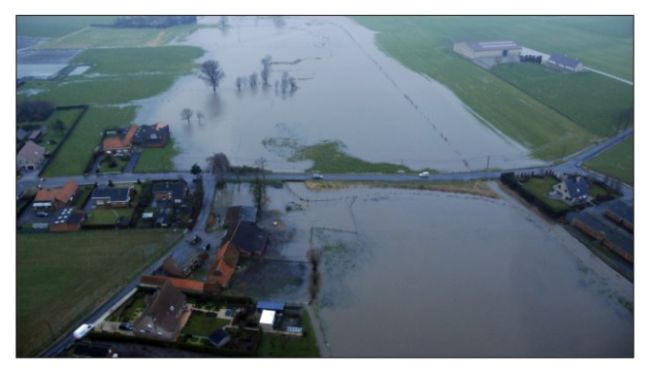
{"points": [[30, 111]]}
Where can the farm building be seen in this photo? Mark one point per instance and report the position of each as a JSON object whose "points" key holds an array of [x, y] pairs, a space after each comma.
{"points": [[622, 214], [236, 214], [188, 286], [488, 50], [152, 136], [120, 141], [611, 238], [56, 197], [224, 266], [564, 62], [165, 315], [247, 238], [112, 197], [30, 156], [174, 191], [182, 263]]}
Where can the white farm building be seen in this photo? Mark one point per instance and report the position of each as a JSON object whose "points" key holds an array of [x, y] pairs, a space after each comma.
{"points": [[487, 50]]}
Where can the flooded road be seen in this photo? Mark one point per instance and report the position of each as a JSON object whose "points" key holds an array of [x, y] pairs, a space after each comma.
{"points": [[416, 273], [348, 90]]}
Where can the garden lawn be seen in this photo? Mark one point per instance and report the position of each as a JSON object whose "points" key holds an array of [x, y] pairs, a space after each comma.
{"points": [[107, 216], [101, 37], [540, 187], [63, 277], [203, 324], [424, 44], [77, 151], [274, 345], [157, 159], [617, 162]]}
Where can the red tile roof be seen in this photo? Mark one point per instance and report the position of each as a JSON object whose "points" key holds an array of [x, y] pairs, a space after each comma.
{"points": [[119, 142], [61, 194], [185, 285]]}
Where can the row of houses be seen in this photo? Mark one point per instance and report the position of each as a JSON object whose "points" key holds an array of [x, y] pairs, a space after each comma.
{"points": [[488, 53]]}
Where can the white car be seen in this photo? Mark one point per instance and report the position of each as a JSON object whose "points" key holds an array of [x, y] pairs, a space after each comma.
{"points": [[83, 330], [424, 174]]}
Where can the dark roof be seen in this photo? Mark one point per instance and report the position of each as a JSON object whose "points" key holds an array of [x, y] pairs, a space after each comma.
{"points": [[577, 187], [114, 193], [177, 188], [614, 235], [22, 134], [152, 133], [164, 309], [236, 214], [565, 60], [246, 236], [270, 305], [493, 45], [622, 210]]}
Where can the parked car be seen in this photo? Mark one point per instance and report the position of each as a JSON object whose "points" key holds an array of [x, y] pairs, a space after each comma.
{"points": [[42, 213], [126, 326], [196, 240], [83, 330], [207, 247], [424, 174]]}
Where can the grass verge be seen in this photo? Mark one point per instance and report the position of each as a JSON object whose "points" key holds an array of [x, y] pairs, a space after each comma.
{"points": [[479, 188], [617, 162]]}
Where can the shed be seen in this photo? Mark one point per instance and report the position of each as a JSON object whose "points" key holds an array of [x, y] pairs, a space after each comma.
{"points": [[267, 319]]}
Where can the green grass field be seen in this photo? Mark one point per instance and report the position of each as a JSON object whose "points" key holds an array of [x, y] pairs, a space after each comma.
{"points": [[618, 162], [78, 149], [157, 159], [424, 44], [55, 26], [273, 345], [62, 277], [107, 217], [596, 103], [102, 37], [169, 60]]}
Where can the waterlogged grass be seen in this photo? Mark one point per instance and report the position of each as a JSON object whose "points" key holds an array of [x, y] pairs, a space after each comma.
{"points": [[101, 37], [76, 152], [479, 188], [424, 44], [617, 162], [598, 104], [154, 160], [330, 157], [55, 26], [62, 277], [170, 60]]}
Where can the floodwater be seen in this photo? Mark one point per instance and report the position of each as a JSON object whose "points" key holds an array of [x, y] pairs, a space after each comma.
{"points": [[348, 90], [431, 274]]}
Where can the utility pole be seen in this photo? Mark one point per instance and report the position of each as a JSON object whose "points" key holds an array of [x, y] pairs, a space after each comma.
{"points": [[488, 163]]}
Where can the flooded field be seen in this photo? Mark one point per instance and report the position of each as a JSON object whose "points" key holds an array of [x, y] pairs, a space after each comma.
{"points": [[348, 90], [43, 63], [440, 275]]}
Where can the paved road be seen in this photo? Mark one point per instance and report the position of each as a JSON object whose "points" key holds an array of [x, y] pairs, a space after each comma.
{"points": [[571, 164], [610, 75]]}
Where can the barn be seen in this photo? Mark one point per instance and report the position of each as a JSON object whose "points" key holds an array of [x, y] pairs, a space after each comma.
{"points": [[488, 50]]}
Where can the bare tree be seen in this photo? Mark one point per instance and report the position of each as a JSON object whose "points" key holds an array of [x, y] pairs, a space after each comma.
{"points": [[266, 69], [219, 164], [200, 116], [239, 82], [211, 73], [259, 185], [186, 114], [252, 80]]}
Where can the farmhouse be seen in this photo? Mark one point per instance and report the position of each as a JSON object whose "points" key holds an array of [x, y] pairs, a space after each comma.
{"points": [[152, 136], [174, 191], [56, 198], [247, 238], [113, 197], [504, 49], [30, 156], [68, 220], [121, 142], [165, 315], [572, 190], [564, 62], [236, 214]]}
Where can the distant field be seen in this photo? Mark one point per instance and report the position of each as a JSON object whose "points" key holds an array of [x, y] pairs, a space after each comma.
{"points": [[596, 103], [77, 150], [157, 159], [98, 37], [424, 45], [62, 277], [169, 60], [55, 26], [618, 162]]}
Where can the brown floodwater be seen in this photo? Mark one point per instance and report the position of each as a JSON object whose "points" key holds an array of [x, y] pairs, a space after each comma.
{"points": [[349, 90]]}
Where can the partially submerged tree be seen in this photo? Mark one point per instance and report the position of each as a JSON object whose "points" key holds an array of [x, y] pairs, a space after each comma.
{"points": [[252, 80], [219, 164], [266, 69], [211, 73], [259, 185], [186, 115], [239, 82], [200, 116]]}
